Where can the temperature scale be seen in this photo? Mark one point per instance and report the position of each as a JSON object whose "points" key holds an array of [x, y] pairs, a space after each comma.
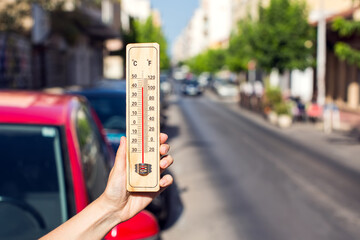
{"points": [[142, 121]]}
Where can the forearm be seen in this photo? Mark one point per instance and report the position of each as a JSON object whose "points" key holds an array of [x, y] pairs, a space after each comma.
{"points": [[94, 222], [115, 205]]}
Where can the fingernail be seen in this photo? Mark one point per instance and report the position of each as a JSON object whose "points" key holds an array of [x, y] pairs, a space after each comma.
{"points": [[164, 149], [162, 182], [163, 164]]}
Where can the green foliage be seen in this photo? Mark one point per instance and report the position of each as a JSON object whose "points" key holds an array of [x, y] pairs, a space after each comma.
{"points": [[129, 36], [345, 27], [240, 51], [148, 32], [211, 60], [346, 52], [280, 36], [282, 108], [274, 100], [342, 50], [84, 129], [218, 58], [273, 96], [198, 64], [235, 57]]}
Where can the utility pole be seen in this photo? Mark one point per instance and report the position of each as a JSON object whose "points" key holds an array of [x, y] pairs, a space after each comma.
{"points": [[321, 56]]}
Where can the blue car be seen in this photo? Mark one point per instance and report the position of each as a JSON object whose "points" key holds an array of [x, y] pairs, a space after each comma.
{"points": [[110, 106]]}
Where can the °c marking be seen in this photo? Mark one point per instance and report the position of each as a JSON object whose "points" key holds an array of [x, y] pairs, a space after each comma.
{"points": [[134, 62]]}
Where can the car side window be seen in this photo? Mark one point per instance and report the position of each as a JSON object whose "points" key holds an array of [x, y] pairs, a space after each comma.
{"points": [[92, 153]]}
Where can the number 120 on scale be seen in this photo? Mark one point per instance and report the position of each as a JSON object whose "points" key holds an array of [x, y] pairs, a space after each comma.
{"points": [[142, 109]]}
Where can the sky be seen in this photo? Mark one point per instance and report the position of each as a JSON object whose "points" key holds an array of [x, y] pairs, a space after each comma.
{"points": [[175, 15]]}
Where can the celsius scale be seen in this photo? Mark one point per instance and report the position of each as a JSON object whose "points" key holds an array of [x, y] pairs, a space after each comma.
{"points": [[142, 117]]}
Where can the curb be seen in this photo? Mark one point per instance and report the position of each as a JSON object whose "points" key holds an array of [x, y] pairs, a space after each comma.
{"points": [[325, 150]]}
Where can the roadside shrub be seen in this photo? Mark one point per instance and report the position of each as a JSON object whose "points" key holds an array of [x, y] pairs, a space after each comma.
{"points": [[282, 108], [271, 97]]}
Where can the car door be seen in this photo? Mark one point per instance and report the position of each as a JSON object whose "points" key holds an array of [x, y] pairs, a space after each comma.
{"points": [[93, 152]]}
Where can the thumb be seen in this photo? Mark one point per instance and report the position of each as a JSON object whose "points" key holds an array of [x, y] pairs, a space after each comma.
{"points": [[120, 159]]}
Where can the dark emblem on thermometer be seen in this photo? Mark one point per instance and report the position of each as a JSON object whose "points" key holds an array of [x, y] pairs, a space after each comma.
{"points": [[143, 169]]}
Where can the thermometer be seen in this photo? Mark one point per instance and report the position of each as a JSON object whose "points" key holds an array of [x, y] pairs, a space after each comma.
{"points": [[142, 117]]}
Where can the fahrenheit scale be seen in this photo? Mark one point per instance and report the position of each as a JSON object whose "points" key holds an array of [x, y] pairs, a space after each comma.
{"points": [[142, 109]]}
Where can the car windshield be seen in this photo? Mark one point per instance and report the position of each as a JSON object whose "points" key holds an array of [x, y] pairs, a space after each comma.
{"points": [[163, 78], [111, 109], [32, 185], [192, 82]]}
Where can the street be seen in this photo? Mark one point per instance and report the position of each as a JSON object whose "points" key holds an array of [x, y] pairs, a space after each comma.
{"points": [[243, 180], [260, 100]]}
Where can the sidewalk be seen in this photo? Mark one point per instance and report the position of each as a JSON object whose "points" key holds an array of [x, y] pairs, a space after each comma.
{"points": [[342, 146]]}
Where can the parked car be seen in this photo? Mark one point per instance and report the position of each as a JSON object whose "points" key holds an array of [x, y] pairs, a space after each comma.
{"points": [[116, 84], [165, 84], [166, 88], [110, 106], [204, 79], [191, 88], [225, 89], [119, 85], [54, 162]]}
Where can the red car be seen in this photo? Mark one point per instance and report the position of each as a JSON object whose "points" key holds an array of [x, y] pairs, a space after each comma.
{"points": [[54, 162]]}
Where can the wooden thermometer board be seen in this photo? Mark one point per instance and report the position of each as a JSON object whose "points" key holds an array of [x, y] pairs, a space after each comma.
{"points": [[142, 117]]}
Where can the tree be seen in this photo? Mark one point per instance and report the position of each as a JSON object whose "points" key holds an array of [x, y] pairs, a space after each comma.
{"points": [[344, 51], [240, 51], [128, 36], [282, 36], [148, 32], [198, 64], [216, 59], [211, 60]]}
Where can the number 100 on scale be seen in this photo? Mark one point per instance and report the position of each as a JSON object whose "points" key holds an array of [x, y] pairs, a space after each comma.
{"points": [[143, 116]]}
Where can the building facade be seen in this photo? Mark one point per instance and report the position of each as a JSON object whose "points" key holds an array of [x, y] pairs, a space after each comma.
{"points": [[45, 54], [342, 79], [209, 27], [241, 9], [137, 9]]}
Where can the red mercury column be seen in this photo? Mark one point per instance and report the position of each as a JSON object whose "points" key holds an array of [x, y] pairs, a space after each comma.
{"points": [[142, 123]]}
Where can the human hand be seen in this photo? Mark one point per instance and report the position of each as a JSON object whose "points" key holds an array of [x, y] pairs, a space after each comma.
{"points": [[128, 204], [115, 205]]}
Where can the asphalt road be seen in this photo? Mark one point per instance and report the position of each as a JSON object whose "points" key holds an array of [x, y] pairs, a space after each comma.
{"points": [[241, 180]]}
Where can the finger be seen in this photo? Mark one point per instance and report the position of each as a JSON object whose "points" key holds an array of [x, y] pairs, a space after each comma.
{"points": [[120, 158], [164, 149], [166, 181], [166, 162], [163, 138]]}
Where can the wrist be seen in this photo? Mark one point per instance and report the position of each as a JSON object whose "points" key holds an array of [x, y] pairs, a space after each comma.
{"points": [[109, 209], [93, 222]]}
